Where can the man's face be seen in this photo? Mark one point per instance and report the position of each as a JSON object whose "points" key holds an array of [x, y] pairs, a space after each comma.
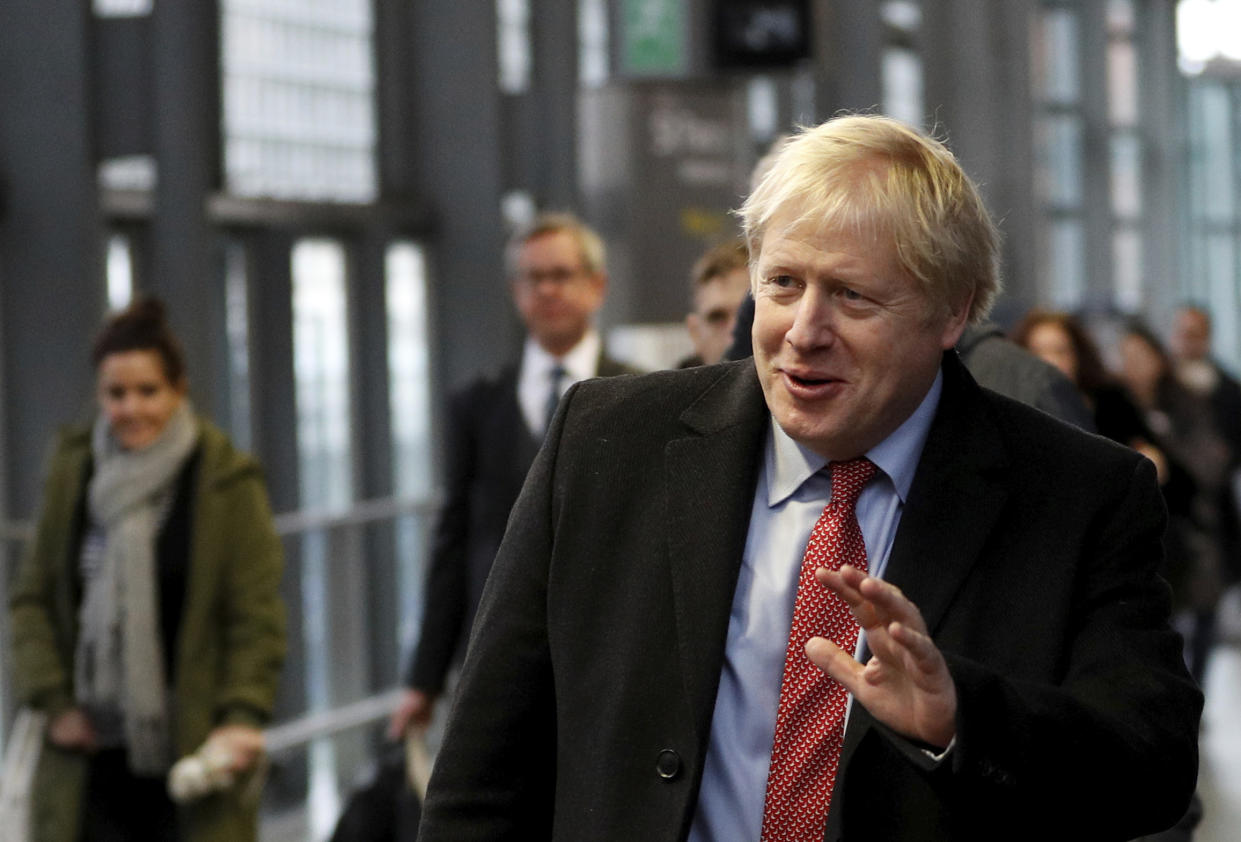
{"points": [[715, 312], [1191, 335], [554, 293], [846, 344]]}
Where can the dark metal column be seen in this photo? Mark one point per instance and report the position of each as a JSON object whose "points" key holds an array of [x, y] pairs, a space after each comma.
{"points": [[553, 103], [457, 130], [977, 93], [184, 265], [847, 40], [52, 298]]}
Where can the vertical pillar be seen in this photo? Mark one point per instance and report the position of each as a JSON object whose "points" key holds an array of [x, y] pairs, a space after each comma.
{"points": [[847, 44], [553, 103], [976, 60], [1096, 159], [1163, 125], [183, 261], [52, 296], [458, 132]]}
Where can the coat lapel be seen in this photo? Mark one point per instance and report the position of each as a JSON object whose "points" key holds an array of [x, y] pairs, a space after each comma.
{"points": [[957, 494], [709, 480]]}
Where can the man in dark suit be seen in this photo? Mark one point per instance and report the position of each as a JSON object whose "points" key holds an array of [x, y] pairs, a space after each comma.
{"points": [[558, 281], [678, 574]]}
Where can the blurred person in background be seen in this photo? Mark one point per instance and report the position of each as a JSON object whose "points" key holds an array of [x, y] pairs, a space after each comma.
{"points": [[1061, 340], [720, 281], [145, 617], [1205, 377], [1181, 425], [558, 281]]}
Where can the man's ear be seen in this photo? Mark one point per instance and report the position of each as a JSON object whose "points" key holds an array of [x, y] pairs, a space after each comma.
{"points": [[957, 319]]}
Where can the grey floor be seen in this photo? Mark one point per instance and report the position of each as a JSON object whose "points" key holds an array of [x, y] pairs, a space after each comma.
{"points": [[1219, 777]]}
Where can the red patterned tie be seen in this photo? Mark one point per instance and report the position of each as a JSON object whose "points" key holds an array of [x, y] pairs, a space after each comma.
{"points": [[810, 722]]}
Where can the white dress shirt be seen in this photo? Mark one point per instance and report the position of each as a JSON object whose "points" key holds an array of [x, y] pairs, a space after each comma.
{"points": [[790, 496], [535, 378]]}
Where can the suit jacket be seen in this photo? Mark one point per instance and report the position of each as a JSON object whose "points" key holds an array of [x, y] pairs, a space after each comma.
{"points": [[587, 693], [489, 451]]}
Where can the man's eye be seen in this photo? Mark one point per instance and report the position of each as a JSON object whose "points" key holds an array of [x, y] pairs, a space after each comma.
{"points": [[782, 281], [850, 294]]}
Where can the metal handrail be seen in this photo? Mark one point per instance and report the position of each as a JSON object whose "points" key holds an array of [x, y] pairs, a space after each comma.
{"points": [[289, 735], [303, 520]]}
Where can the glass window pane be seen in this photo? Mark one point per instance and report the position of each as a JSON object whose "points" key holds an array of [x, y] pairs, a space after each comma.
{"points": [[1122, 83], [1126, 176], [408, 369], [1064, 263], [593, 38], [513, 42], [122, 8], [409, 394], [1223, 296], [298, 94], [120, 271], [1120, 17], [1058, 163], [321, 370], [1213, 147], [902, 85], [237, 329], [325, 457], [905, 15], [1127, 270], [1056, 62]]}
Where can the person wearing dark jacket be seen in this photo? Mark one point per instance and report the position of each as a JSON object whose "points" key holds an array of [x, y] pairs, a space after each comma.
{"points": [[836, 591], [558, 281]]}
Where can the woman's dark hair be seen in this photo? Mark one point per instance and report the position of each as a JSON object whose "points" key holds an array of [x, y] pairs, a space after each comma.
{"points": [[141, 327], [1091, 373]]}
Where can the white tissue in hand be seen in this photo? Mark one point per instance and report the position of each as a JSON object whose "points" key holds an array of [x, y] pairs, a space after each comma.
{"points": [[201, 773]]}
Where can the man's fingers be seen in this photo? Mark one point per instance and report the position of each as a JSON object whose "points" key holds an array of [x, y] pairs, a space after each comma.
{"points": [[923, 655], [834, 661], [845, 583], [889, 601]]}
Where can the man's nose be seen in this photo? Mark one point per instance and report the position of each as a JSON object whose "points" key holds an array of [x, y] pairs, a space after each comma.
{"points": [[814, 322]]}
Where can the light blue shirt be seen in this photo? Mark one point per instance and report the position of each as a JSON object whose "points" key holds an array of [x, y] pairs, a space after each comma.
{"points": [[790, 496]]}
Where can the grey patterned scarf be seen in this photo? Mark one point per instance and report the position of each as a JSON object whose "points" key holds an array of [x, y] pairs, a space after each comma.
{"points": [[119, 661]]}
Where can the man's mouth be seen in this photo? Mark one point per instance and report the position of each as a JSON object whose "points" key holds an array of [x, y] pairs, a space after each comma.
{"points": [[810, 384]]}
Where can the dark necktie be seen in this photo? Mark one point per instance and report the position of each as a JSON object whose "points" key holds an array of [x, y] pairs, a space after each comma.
{"points": [[553, 396], [810, 721]]}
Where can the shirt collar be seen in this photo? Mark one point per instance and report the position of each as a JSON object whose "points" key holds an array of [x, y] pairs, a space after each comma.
{"points": [[789, 464], [581, 363]]}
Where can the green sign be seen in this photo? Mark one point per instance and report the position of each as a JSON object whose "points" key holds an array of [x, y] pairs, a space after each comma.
{"points": [[654, 37]]}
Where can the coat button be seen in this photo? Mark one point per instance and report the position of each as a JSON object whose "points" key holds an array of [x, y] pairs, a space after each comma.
{"points": [[668, 764]]}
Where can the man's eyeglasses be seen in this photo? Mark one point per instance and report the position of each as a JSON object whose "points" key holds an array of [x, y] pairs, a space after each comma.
{"points": [[560, 276]]}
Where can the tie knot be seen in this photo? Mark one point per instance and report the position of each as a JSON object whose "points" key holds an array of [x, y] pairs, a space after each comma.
{"points": [[848, 479], [557, 371]]}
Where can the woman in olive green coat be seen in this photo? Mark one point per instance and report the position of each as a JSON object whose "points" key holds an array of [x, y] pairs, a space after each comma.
{"points": [[146, 618]]}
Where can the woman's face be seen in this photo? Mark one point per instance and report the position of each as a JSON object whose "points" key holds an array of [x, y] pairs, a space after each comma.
{"points": [[1051, 343], [136, 396], [1141, 365]]}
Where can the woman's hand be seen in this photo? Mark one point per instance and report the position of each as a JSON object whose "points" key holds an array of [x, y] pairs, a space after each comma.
{"points": [[71, 730], [242, 744]]}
